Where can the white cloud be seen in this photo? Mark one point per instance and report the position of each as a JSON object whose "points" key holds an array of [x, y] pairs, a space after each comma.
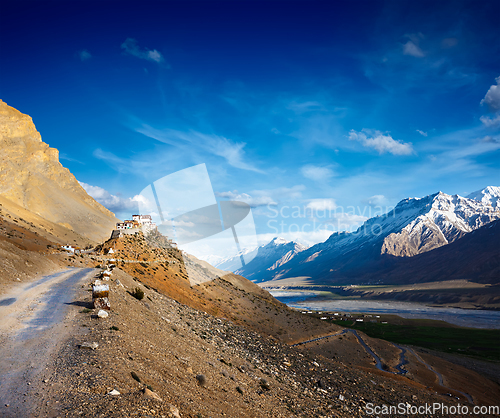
{"points": [[422, 132], [112, 202], [265, 197], [492, 100], [322, 205], [232, 152], [348, 221], [380, 142], [131, 47], [490, 122], [252, 201], [317, 173], [84, 55], [492, 97], [411, 48], [376, 200]]}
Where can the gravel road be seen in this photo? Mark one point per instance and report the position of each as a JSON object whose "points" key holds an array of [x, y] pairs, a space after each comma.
{"points": [[34, 322]]}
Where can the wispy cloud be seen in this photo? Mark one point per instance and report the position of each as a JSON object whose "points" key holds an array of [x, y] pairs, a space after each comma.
{"points": [[422, 132], [131, 47], [412, 46], [113, 203], [449, 43], [84, 55], [265, 197], [217, 145], [383, 143], [399, 66], [317, 173], [149, 164], [252, 201], [490, 122], [303, 107], [63, 156]]}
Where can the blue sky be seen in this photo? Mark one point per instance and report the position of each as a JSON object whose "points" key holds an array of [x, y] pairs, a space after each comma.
{"points": [[348, 106]]}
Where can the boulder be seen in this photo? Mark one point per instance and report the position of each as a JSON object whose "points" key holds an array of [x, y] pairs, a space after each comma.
{"points": [[174, 411], [91, 346], [102, 314], [149, 394]]}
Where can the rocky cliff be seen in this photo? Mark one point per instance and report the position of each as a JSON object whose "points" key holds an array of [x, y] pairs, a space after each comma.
{"points": [[32, 177]]}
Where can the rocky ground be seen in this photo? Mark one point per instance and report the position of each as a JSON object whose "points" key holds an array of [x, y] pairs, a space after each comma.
{"points": [[219, 348], [157, 357]]}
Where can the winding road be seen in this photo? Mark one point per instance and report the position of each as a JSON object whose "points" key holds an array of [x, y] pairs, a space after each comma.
{"points": [[33, 324], [402, 359]]}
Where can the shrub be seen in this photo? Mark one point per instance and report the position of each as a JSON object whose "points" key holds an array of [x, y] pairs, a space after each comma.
{"points": [[138, 293]]}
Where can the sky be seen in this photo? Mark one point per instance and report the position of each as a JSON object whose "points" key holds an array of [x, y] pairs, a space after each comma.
{"points": [[317, 114]]}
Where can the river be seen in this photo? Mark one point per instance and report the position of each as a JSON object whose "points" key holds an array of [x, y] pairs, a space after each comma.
{"points": [[462, 317]]}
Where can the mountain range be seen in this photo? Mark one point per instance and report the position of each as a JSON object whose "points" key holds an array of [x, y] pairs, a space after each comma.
{"points": [[416, 226], [267, 258]]}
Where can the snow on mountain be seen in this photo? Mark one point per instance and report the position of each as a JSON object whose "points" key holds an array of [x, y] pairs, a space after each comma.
{"points": [[489, 195], [443, 220], [417, 225], [414, 226], [268, 257], [233, 263]]}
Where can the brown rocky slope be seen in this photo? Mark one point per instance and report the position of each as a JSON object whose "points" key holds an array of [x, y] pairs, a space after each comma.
{"points": [[32, 178], [197, 365]]}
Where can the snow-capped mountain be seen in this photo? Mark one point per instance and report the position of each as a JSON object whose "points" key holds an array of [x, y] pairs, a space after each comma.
{"points": [[490, 195], [442, 219], [268, 258], [233, 263], [414, 226]]}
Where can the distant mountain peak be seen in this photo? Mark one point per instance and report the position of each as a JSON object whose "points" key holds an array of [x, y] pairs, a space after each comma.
{"points": [[268, 257], [279, 241], [490, 195]]}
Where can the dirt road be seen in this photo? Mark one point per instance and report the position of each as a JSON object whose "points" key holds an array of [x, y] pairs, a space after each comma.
{"points": [[34, 319]]}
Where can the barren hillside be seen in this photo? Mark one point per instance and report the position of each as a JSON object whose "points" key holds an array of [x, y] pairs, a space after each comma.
{"points": [[32, 178], [157, 357]]}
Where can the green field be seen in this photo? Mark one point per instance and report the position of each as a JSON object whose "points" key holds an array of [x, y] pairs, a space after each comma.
{"points": [[479, 343]]}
